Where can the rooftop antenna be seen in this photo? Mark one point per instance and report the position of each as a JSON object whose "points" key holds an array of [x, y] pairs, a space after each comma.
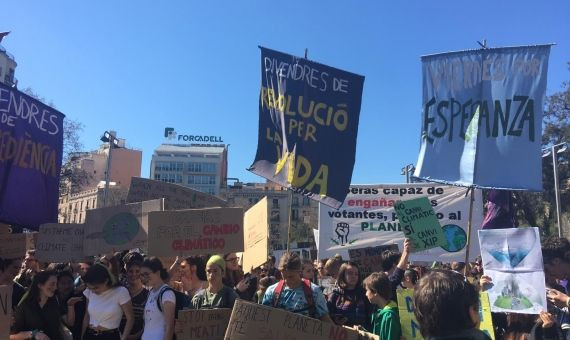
{"points": [[483, 44]]}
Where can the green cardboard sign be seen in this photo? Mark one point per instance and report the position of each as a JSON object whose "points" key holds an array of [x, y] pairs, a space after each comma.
{"points": [[420, 223]]}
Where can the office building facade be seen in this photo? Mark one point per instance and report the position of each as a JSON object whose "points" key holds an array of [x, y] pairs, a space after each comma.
{"points": [[202, 167]]}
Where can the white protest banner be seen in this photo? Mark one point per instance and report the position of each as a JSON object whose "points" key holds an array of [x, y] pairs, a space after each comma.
{"points": [[209, 324], [256, 234], [482, 117], [513, 259], [175, 196], [118, 228], [195, 232], [13, 246], [254, 321], [5, 311], [367, 218], [60, 242]]}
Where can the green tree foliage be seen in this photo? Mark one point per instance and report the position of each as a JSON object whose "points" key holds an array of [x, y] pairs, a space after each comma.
{"points": [[539, 209]]}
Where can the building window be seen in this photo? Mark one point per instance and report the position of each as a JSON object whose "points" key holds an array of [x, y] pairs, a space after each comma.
{"points": [[169, 178], [202, 167], [201, 179], [275, 203], [294, 214], [306, 201], [275, 216], [295, 201], [169, 166]]}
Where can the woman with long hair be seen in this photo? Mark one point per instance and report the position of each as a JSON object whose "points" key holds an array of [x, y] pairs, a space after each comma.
{"points": [[160, 307], [37, 315], [106, 304], [244, 286], [348, 304], [71, 306]]}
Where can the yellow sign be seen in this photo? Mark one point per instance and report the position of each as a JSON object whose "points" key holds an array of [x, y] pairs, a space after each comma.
{"points": [[410, 326], [485, 315]]}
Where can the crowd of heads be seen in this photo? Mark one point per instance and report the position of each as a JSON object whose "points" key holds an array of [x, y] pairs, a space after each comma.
{"points": [[445, 298]]}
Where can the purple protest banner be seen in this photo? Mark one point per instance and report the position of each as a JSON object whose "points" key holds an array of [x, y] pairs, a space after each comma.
{"points": [[31, 143]]}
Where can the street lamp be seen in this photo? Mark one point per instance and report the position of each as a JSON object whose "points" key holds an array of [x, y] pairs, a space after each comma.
{"points": [[110, 138], [562, 147], [410, 168]]}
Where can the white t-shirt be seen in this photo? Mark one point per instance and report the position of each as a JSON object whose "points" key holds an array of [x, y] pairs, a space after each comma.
{"points": [[105, 309], [154, 323]]}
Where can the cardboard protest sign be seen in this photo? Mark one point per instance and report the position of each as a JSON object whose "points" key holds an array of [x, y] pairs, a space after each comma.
{"points": [[13, 246], [254, 321], [118, 228], [5, 311], [256, 234], [60, 242], [207, 324], [307, 126], [482, 117], [367, 219], [175, 196], [195, 232], [513, 259], [31, 144], [420, 224], [369, 259], [486, 324], [410, 326]]}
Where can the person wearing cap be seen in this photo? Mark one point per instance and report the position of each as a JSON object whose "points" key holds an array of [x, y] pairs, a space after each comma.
{"points": [[216, 295]]}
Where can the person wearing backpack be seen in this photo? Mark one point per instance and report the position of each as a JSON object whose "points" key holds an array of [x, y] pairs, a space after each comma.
{"points": [[216, 295], [295, 294], [160, 307]]}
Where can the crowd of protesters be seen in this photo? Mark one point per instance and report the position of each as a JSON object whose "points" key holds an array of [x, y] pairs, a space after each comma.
{"points": [[129, 296]]}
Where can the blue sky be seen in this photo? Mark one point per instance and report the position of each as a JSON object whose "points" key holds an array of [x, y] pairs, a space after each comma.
{"points": [[139, 66]]}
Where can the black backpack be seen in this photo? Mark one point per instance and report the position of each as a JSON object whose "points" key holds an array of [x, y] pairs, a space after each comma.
{"points": [[183, 301]]}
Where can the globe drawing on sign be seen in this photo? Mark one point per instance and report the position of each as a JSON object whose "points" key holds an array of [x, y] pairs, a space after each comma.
{"points": [[455, 236], [119, 229]]}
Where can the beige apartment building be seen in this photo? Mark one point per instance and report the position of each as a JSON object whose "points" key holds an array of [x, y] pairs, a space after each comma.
{"points": [[303, 210]]}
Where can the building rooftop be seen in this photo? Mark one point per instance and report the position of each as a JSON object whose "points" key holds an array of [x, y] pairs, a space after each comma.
{"points": [[185, 148], [3, 50]]}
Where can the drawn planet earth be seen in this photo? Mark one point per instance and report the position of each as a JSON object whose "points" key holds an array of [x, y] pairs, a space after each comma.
{"points": [[119, 229], [455, 236]]}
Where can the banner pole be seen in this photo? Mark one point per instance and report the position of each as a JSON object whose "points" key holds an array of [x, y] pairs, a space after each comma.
{"points": [[289, 224], [469, 222]]}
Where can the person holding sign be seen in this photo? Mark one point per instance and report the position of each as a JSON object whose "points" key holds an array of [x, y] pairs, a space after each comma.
{"points": [[217, 295], [37, 316], [160, 304]]}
